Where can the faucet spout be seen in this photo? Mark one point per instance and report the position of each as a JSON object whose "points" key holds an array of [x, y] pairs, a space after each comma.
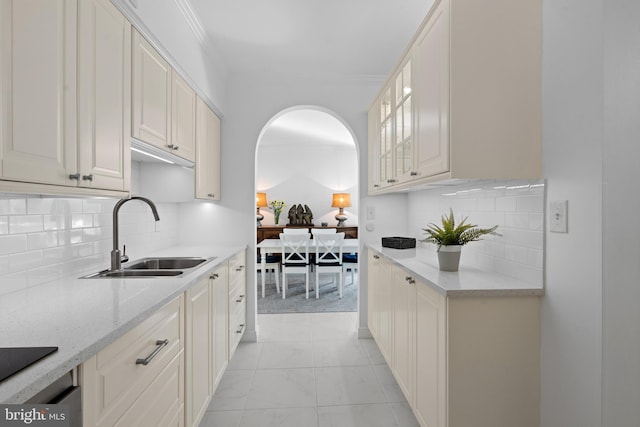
{"points": [[116, 259]]}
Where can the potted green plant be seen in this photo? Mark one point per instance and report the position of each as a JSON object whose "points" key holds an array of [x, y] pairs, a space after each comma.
{"points": [[450, 237]]}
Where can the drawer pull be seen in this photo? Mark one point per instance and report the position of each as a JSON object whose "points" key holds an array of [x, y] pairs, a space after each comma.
{"points": [[376, 257], [74, 176], [87, 177], [211, 195], [213, 276], [239, 331], [240, 298], [160, 345]]}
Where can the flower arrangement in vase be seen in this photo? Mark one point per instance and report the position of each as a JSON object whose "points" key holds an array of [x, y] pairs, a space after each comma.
{"points": [[450, 237], [276, 206]]}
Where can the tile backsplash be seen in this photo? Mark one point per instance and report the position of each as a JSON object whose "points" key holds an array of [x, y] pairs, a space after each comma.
{"points": [[517, 207], [42, 238]]}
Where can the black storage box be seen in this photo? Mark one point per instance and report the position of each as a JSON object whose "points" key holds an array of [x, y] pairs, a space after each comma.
{"points": [[399, 242]]}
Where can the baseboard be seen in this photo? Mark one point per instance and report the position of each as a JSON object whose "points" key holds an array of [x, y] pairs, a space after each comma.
{"points": [[250, 337], [364, 332]]}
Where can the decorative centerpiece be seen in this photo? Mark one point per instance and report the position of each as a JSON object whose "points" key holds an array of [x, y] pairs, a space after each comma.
{"points": [[276, 206], [451, 237], [299, 215]]}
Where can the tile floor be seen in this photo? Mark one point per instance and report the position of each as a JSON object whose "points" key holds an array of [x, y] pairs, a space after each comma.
{"points": [[308, 370]]}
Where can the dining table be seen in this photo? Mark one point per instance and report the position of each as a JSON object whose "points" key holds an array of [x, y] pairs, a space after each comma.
{"points": [[274, 246]]}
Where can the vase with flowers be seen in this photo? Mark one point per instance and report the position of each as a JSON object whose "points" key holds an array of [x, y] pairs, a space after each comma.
{"points": [[276, 206]]}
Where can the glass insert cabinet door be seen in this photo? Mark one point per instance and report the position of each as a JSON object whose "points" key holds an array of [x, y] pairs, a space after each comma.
{"points": [[403, 141], [385, 150]]}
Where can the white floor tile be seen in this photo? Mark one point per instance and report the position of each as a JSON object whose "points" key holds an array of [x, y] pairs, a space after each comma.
{"points": [[286, 355], [232, 392], [348, 386], [290, 417], [246, 356], [222, 419], [378, 415], [343, 352], [282, 388], [404, 415]]}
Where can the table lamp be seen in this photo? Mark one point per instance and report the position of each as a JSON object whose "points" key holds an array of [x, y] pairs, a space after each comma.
{"points": [[341, 200], [261, 202]]}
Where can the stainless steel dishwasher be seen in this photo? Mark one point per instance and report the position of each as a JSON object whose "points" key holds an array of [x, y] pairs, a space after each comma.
{"points": [[63, 391]]}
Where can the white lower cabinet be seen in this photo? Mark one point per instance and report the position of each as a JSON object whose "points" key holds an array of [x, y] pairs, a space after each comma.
{"points": [[139, 375], [165, 371], [460, 360], [206, 341], [237, 300]]}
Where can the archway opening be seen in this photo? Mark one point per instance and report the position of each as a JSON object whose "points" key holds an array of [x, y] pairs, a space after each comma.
{"points": [[305, 155]]}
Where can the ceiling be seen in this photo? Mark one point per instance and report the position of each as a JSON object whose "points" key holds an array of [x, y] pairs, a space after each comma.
{"points": [[307, 126], [307, 37]]}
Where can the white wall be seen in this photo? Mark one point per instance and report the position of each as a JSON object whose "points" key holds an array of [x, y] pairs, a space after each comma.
{"points": [[572, 163], [621, 201], [308, 173]]}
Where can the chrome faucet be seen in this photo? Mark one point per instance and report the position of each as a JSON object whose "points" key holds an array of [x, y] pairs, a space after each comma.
{"points": [[116, 258]]}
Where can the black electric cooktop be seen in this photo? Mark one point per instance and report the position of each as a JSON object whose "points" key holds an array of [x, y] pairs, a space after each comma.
{"points": [[14, 359]]}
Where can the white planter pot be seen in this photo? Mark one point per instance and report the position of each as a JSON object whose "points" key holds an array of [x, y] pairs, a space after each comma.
{"points": [[449, 257]]}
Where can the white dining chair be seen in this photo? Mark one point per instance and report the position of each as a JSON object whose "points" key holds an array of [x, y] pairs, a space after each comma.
{"points": [[272, 264], [295, 258], [328, 257], [315, 231], [296, 230], [350, 262]]}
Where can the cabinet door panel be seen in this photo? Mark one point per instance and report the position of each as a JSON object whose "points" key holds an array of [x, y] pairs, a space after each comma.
{"points": [[104, 96], [220, 295], [183, 116], [432, 95], [207, 153], [151, 94], [404, 297], [430, 376], [38, 90]]}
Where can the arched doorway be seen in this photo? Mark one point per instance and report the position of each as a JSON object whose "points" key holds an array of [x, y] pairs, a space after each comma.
{"points": [[305, 155]]}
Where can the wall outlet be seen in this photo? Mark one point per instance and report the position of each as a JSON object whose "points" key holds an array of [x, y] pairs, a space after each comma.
{"points": [[558, 221]]}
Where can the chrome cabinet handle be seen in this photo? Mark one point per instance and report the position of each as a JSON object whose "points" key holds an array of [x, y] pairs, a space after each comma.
{"points": [[410, 280], [376, 257], [87, 177], [173, 147], [391, 181], [214, 276], [75, 176], [160, 345], [211, 195], [240, 299], [239, 331], [413, 173]]}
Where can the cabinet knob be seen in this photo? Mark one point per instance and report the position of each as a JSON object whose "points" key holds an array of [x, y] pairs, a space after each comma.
{"points": [[75, 176], [87, 177]]}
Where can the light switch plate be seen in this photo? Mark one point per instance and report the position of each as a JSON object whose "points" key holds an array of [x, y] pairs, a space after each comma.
{"points": [[371, 212], [558, 221]]}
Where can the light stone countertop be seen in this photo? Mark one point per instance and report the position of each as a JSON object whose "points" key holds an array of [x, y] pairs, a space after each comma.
{"points": [[463, 283], [83, 316]]}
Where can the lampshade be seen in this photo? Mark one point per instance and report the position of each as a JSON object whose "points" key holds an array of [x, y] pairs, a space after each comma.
{"points": [[341, 200], [261, 200]]}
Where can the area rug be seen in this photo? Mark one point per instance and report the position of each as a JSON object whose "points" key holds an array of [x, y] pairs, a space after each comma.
{"points": [[296, 302]]}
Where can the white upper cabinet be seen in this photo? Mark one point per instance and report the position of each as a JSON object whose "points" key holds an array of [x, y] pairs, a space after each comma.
{"points": [[183, 118], [466, 99], [104, 101], [65, 76], [38, 91], [151, 96], [164, 105], [207, 173]]}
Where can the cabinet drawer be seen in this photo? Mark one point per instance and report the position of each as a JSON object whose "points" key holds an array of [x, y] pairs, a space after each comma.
{"points": [[162, 403], [237, 267], [237, 322], [112, 379]]}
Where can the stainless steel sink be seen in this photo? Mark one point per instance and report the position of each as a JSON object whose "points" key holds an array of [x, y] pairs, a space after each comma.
{"points": [[153, 267], [133, 273], [166, 263]]}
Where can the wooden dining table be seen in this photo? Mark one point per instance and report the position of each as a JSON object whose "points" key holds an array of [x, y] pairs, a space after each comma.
{"points": [[274, 246]]}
